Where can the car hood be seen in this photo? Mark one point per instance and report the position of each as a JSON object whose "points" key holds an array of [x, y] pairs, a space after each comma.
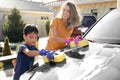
{"points": [[99, 59]]}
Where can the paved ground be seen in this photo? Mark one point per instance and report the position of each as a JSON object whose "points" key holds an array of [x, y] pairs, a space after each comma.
{"points": [[42, 42], [6, 74]]}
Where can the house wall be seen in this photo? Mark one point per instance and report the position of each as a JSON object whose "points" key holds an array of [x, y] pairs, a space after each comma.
{"points": [[101, 7], [37, 18]]}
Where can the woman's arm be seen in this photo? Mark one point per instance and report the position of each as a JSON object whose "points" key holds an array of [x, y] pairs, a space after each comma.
{"points": [[55, 35]]}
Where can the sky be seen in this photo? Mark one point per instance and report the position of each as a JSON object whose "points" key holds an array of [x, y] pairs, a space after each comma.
{"points": [[44, 1]]}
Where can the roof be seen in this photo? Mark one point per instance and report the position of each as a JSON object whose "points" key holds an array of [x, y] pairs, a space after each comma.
{"points": [[23, 5], [60, 2]]}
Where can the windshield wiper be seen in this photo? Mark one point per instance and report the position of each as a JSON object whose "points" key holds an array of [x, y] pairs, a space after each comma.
{"points": [[91, 40]]}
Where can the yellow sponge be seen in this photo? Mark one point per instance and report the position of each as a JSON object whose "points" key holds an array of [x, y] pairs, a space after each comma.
{"points": [[45, 59], [59, 57], [83, 43], [72, 44]]}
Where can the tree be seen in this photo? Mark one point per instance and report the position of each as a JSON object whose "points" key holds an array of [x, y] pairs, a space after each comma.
{"points": [[47, 27], [14, 26], [6, 50]]}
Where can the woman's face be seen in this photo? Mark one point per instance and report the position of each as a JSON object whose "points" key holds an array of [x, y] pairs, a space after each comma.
{"points": [[66, 13]]}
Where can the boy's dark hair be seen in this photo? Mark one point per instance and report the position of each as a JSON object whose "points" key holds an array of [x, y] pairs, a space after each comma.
{"points": [[29, 28]]}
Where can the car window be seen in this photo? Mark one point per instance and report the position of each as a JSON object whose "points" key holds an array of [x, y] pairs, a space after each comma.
{"points": [[88, 21], [107, 29]]}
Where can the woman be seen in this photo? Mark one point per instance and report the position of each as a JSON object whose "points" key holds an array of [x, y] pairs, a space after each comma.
{"points": [[62, 26]]}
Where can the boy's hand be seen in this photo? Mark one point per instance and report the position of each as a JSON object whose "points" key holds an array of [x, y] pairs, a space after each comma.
{"points": [[50, 55], [43, 52]]}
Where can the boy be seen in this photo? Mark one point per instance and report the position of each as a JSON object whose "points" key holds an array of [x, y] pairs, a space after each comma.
{"points": [[27, 51]]}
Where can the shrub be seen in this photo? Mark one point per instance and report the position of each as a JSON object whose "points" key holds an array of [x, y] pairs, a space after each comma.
{"points": [[47, 27], [1, 65], [6, 51]]}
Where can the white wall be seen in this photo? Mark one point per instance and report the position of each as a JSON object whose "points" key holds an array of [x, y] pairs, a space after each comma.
{"points": [[118, 3]]}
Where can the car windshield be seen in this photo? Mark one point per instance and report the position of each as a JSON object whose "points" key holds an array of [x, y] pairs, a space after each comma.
{"points": [[106, 30]]}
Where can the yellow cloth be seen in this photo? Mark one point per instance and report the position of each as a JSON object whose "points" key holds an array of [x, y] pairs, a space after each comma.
{"points": [[62, 31]]}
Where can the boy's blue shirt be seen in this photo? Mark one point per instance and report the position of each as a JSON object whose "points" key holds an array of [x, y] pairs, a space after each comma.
{"points": [[24, 62]]}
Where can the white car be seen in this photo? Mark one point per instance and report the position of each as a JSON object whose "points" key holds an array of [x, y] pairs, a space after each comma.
{"points": [[101, 60]]}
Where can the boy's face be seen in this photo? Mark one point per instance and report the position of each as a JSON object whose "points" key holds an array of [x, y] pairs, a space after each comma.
{"points": [[30, 38]]}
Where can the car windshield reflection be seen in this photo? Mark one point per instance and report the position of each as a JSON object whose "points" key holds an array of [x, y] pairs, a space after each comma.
{"points": [[101, 32]]}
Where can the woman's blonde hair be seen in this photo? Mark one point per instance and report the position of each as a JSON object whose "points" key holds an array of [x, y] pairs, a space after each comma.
{"points": [[74, 16]]}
